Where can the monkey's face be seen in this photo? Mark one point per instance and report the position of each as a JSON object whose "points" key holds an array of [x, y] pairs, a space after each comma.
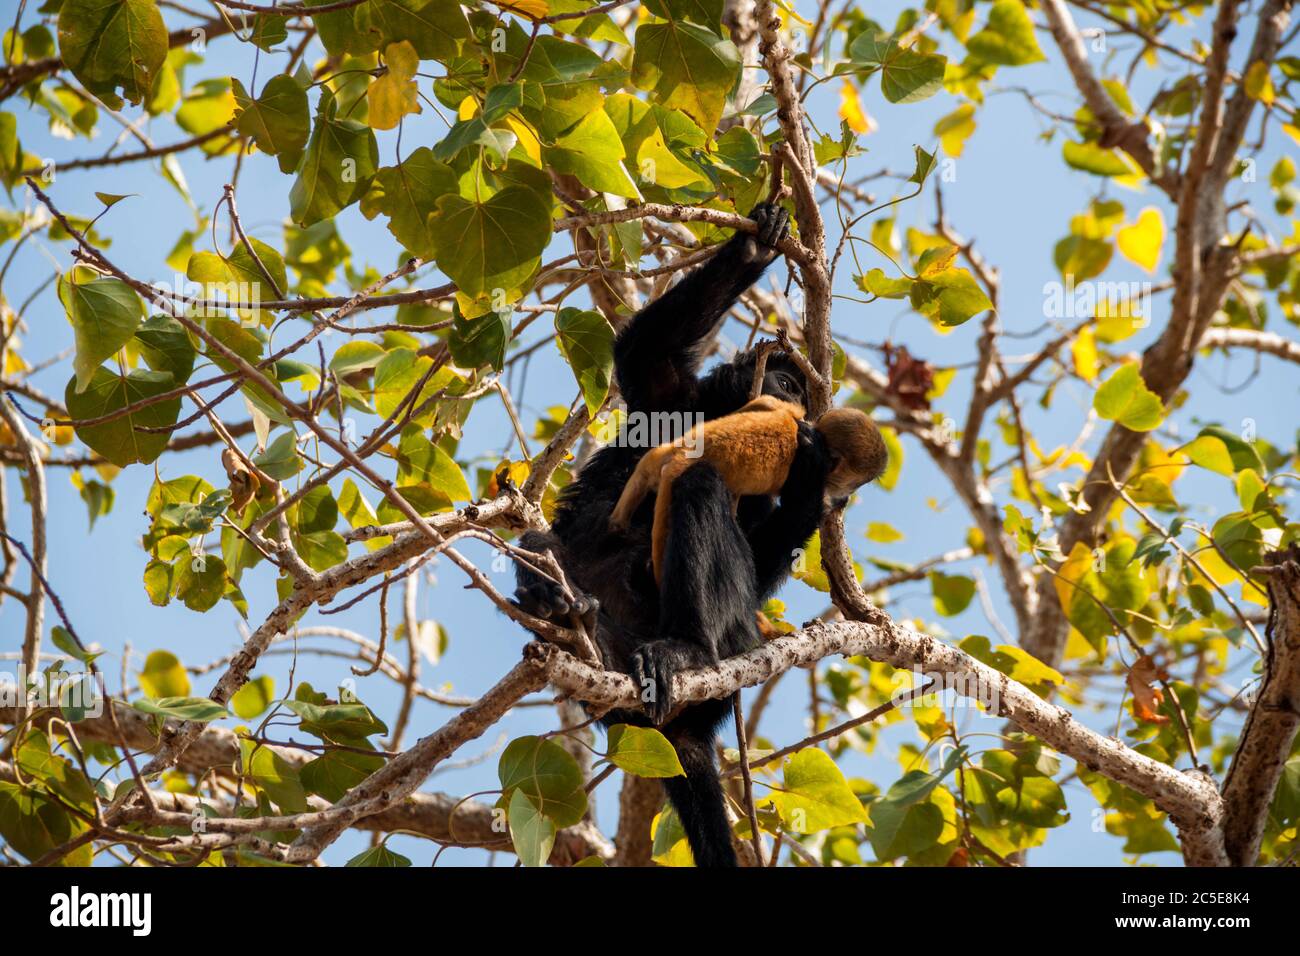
{"points": [[844, 479], [784, 383]]}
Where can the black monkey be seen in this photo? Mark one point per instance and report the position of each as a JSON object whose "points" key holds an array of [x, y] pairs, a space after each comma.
{"points": [[717, 569]]}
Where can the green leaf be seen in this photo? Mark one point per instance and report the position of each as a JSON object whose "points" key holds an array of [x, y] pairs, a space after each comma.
{"points": [[481, 341], [254, 697], [420, 461], [548, 774], [494, 244], [687, 66], [356, 356], [1095, 159], [321, 550], [905, 830], [899, 824], [378, 856], [267, 769], [815, 796], [111, 199], [642, 751], [199, 709], [33, 825], [341, 158], [335, 772], [158, 582], [104, 314], [593, 152], [924, 166], [268, 31], [705, 12], [408, 195], [338, 723], [280, 460], [531, 831], [1243, 452], [200, 580], [358, 513], [952, 592], [1008, 37], [906, 76], [64, 642], [398, 373], [113, 44], [587, 343], [97, 496], [433, 27], [54, 773], [278, 121], [1125, 398], [165, 346], [316, 511], [1083, 257], [1016, 791], [949, 298]]}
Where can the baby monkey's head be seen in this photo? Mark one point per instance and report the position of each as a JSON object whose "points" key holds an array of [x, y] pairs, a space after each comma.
{"points": [[857, 451]]}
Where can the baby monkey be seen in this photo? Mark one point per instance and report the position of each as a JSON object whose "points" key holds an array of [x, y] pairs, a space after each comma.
{"points": [[752, 449]]}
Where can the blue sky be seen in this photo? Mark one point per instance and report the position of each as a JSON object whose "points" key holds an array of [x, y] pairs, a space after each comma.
{"points": [[1012, 194]]}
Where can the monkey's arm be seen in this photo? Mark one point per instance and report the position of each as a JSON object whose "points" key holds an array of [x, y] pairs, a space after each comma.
{"points": [[659, 351], [793, 521]]}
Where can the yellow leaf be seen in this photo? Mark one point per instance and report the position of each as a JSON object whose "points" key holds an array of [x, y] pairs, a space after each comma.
{"points": [[394, 94], [1084, 350], [1259, 85], [527, 138], [1074, 570], [1218, 570], [883, 532], [468, 108], [533, 8], [851, 110], [1118, 318], [787, 9], [1154, 461], [954, 129], [1140, 243]]}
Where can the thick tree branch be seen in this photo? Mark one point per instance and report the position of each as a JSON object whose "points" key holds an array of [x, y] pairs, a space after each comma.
{"points": [[1274, 718], [1191, 799]]}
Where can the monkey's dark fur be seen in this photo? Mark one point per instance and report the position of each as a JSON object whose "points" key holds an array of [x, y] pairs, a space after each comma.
{"points": [[718, 569]]}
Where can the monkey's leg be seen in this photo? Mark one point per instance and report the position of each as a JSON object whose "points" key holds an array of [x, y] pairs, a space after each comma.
{"points": [[643, 480], [663, 512]]}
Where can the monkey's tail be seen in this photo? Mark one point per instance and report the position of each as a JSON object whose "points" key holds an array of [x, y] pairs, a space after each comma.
{"points": [[700, 803]]}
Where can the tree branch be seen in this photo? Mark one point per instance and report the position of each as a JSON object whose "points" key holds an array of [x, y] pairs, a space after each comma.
{"points": [[1270, 728]]}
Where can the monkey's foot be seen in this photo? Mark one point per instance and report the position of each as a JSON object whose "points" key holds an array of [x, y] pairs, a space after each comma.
{"points": [[653, 667], [545, 599]]}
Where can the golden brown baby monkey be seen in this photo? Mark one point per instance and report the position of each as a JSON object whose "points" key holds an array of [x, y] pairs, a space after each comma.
{"points": [[752, 449]]}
